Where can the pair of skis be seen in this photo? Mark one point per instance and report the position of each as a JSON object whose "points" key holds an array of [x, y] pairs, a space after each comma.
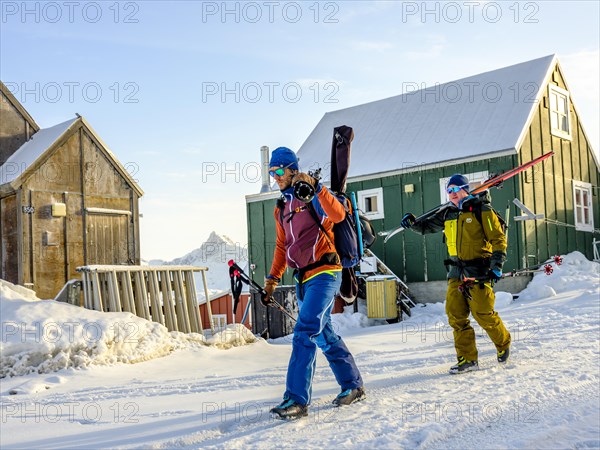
{"points": [[494, 181]]}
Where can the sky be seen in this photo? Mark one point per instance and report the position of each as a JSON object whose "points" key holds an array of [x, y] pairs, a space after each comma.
{"points": [[186, 92]]}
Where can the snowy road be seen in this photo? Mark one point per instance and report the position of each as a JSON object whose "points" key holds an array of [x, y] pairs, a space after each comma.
{"points": [[547, 396]]}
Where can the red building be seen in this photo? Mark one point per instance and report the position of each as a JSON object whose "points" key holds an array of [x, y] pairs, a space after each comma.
{"points": [[222, 311]]}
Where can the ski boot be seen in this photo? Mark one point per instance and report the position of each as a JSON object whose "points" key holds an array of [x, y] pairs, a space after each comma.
{"points": [[288, 409], [503, 356], [350, 396], [463, 366]]}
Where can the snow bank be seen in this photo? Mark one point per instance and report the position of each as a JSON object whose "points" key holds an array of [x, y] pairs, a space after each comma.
{"points": [[45, 336], [576, 271], [350, 320]]}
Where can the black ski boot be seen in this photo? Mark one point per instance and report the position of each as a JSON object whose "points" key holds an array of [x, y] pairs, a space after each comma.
{"points": [[503, 356], [289, 410], [350, 396], [464, 366]]}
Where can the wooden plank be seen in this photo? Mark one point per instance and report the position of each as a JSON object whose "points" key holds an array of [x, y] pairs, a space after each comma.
{"points": [[180, 303], [192, 302], [141, 295], [90, 287], [98, 306], [128, 292], [113, 286], [86, 290], [167, 295], [157, 313], [208, 308]]}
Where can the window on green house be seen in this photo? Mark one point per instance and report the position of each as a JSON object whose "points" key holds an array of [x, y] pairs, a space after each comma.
{"points": [[370, 202], [560, 124], [582, 204]]}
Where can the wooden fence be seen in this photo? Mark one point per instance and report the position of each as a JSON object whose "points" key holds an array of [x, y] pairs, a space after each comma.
{"points": [[163, 294]]}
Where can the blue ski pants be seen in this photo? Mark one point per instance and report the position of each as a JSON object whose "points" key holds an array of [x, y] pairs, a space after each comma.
{"points": [[313, 329]]}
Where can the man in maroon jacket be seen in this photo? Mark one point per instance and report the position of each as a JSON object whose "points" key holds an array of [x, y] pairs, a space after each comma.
{"points": [[302, 245]]}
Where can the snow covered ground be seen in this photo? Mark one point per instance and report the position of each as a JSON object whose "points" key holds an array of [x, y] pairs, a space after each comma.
{"points": [[207, 396]]}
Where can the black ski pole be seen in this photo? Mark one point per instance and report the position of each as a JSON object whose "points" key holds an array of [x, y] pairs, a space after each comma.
{"points": [[250, 282]]}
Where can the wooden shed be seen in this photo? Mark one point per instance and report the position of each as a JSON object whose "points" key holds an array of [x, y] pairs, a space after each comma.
{"points": [[407, 146], [65, 201]]}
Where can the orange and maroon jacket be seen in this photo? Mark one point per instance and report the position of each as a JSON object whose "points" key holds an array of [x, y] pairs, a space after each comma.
{"points": [[300, 241]]}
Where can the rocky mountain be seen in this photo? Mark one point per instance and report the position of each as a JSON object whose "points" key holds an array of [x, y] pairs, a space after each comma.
{"points": [[214, 254]]}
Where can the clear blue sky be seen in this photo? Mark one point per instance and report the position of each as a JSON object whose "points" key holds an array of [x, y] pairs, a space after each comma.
{"points": [[149, 77]]}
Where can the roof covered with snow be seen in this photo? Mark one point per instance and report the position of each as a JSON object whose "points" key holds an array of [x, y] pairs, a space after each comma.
{"points": [[463, 119], [31, 150]]}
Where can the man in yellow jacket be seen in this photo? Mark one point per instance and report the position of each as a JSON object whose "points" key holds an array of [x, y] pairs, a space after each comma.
{"points": [[477, 248]]}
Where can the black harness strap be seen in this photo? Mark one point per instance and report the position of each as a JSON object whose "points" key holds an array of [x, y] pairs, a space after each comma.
{"points": [[328, 259]]}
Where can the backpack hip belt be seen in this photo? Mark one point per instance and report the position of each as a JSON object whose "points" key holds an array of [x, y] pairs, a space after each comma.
{"points": [[328, 259]]}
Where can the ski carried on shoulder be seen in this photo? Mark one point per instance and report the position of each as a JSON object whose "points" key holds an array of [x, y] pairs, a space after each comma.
{"points": [[494, 181]]}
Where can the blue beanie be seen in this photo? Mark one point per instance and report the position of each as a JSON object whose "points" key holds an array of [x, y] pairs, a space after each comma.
{"points": [[459, 180], [283, 157]]}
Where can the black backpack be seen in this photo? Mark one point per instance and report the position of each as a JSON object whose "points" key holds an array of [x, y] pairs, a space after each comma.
{"points": [[345, 233]]}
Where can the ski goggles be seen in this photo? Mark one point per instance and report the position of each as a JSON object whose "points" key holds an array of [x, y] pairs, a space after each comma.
{"points": [[279, 172], [455, 189]]}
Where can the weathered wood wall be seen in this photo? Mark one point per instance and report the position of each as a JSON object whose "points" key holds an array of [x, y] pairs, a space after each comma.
{"points": [[100, 227], [15, 128]]}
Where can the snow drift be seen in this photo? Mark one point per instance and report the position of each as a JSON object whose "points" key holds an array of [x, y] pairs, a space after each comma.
{"points": [[45, 336]]}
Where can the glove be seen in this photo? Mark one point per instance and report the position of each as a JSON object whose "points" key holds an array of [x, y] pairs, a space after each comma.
{"points": [[408, 220], [269, 288], [495, 275], [301, 176]]}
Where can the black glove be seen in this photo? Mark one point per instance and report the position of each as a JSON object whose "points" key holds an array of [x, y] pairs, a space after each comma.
{"points": [[408, 220], [269, 288], [495, 275]]}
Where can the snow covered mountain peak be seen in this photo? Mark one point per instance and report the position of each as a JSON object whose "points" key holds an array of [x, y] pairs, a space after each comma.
{"points": [[214, 253]]}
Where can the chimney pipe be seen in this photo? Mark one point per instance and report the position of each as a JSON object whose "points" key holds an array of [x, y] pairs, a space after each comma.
{"points": [[264, 166]]}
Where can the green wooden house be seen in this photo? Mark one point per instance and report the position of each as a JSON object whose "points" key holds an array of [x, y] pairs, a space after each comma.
{"points": [[407, 146]]}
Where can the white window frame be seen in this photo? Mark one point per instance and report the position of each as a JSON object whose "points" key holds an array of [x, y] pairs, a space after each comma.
{"points": [[559, 92], [362, 197], [219, 322], [587, 187], [475, 179]]}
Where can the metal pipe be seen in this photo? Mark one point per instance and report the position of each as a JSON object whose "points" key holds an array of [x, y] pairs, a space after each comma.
{"points": [[264, 169]]}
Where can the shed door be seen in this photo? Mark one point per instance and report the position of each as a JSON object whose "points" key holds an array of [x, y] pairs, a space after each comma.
{"points": [[107, 239]]}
